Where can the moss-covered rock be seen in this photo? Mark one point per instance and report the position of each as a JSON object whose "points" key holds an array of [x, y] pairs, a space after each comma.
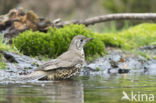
{"points": [[134, 37], [56, 41]]}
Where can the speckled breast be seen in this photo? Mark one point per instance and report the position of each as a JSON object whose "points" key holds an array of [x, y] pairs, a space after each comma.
{"points": [[65, 73]]}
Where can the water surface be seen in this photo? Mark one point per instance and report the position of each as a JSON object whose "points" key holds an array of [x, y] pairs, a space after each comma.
{"points": [[93, 89]]}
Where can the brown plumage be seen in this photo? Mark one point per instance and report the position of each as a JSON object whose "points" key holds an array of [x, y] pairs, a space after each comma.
{"points": [[66, 65]]}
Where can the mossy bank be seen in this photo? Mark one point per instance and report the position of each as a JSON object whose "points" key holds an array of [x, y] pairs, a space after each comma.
{"points": [[132, 38], [57, 40]]}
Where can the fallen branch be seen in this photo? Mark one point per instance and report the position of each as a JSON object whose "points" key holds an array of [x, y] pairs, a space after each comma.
{"points": [[16, 21], [109, 17]]}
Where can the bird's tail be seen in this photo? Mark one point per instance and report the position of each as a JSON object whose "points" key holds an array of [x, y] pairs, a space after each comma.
{"points": [[33, 76]]}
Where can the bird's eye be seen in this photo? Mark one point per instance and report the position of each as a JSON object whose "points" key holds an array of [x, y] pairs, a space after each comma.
{"points": [[81, 40]]}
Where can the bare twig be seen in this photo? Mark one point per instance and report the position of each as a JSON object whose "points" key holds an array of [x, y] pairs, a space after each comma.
{"points": [[109, 17]]}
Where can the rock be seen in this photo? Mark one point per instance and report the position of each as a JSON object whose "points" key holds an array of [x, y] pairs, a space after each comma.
{"points": [[150, 67], [113, 71], [3, 74], [149, 47], [150, 50], [20, 63], [121, 71], [125, 63], [118, 62]]}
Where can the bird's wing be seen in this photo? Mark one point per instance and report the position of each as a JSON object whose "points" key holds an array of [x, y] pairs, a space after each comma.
{"points": [[62, 64], [41, 67], [64, 61]]}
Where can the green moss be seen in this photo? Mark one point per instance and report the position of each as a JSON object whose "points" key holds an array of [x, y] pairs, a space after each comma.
{"points": [[132, 38], [113, 40], [98, 69], [5, 47], [146, 54], [56, 41], [2, 63], [140, 35], [142, 53]]}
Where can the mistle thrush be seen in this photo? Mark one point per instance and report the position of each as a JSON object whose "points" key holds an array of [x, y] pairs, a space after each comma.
{"points": [[66, 65]]}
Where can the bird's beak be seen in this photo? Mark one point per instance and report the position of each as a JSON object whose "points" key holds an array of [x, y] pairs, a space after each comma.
{"points": [[89, 39]]}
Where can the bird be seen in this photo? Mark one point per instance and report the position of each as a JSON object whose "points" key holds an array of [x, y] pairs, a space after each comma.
{"points": [[65, 66]]}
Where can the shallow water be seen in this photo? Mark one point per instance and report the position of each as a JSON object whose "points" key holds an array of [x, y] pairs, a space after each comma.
{"points": [[93, 89]]}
